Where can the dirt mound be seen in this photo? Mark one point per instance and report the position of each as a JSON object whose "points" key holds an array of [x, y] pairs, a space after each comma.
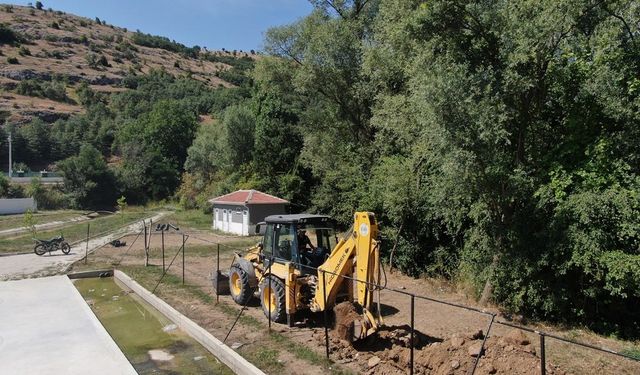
{"points": [[346, 318], [388, 352]]}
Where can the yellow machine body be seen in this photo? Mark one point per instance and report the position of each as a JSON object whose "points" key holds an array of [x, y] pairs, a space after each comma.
{"points": [[348, 272]]}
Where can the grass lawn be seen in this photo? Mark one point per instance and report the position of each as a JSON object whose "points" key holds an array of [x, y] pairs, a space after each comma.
{"points": [[190, 219], [17, 221], [72, 232]]}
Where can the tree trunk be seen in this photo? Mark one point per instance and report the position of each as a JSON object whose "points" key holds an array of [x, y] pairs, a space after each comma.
{"points": [[487, 292], [394, 248]]}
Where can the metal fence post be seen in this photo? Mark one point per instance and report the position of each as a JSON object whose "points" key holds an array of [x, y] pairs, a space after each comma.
{"points": [[162, 235], [413, 298], [86, 249], [270, 291], [218, 273], [543, 366], [146, 249], [183, 249], [324, 312]]}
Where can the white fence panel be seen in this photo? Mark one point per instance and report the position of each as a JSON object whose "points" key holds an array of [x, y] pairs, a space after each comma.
{"points": [[17, 205]]}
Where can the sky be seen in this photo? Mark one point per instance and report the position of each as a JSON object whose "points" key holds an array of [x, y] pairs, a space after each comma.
{"points": [[215, 24]]}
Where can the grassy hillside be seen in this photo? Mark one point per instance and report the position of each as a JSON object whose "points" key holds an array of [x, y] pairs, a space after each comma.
{"points": [[53, 46]]}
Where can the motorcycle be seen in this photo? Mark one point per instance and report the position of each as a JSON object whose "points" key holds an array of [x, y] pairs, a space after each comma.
{"points": [[56, 243]]}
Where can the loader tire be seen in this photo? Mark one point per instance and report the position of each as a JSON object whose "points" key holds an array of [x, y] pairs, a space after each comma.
{"points": [[277, 294], [239, 285]]}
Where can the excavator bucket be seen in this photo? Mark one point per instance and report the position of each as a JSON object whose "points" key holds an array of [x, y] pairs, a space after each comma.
{"points": [[220, 283], [350, 325]]}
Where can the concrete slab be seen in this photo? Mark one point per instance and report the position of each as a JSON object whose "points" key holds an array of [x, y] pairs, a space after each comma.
{"points": [[46, 327]]}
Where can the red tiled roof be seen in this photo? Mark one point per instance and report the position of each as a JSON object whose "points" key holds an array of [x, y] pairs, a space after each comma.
{"points": [[248, 197]]}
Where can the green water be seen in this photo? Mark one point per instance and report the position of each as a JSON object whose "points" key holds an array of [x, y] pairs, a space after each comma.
{"points": [[137, 328]]}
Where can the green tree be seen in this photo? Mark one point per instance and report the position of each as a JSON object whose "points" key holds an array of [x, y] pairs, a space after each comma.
{"points": [[39, 5], [239, 125], [29, 221], [88, 180]]}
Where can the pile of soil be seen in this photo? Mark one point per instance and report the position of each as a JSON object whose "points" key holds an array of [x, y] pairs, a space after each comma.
{"points": [[387, 352], [346, 317]]}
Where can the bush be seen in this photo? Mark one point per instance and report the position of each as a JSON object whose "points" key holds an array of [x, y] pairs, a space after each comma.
{"points": [[13, 60], [24, 51], [155, 41], [46, 198], [8, 36], [102, 60], [54, 90], [54, 25], [39, 5]]}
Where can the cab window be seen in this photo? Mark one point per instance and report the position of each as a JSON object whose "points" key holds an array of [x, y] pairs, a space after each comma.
{"points": [[284, 240], [267, 245]]}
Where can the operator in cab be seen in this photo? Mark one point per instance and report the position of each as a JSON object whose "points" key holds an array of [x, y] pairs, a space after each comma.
{"points": [[304, 243]]}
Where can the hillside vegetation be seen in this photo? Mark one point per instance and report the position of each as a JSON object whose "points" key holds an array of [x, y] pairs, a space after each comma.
{"points": [[497, 142], [47, 53]]}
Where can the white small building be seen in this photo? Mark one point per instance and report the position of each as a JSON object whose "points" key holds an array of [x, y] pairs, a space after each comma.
{"points": [[240, 211]]}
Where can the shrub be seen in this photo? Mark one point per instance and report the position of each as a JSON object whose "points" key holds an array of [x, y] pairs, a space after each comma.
{"points": [[13, 60], [8, 36], [24, 51], [47, 198], [51, 38], [39, 5], [102, 60], [54, 90], [54, 25]]}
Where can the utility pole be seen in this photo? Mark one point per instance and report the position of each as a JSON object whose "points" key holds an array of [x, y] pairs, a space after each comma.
{"points": [[10, 162]]}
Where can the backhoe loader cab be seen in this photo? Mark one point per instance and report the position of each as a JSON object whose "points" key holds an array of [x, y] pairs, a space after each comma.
{"points": [[300, 264], [304, 240]]}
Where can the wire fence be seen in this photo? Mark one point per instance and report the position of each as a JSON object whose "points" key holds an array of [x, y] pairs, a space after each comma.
{"points": [[180, 249]]}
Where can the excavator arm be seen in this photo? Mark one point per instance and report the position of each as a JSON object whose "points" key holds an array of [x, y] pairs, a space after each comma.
{"points": [[356, 256]]}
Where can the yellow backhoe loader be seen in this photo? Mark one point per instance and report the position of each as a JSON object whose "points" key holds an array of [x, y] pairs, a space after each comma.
{"points": [[302, 265]]}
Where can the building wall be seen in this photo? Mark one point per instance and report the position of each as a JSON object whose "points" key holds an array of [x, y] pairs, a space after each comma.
{"points": [[230, 218], [258, 212], [239, 219], [17, 205]]}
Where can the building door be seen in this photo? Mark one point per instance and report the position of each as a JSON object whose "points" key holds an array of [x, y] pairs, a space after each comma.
{"points": [[225, 220], [245, 222]]}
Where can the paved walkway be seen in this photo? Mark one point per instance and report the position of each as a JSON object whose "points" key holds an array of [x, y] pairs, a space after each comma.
{"points": [[47, 328], [31, 265]]}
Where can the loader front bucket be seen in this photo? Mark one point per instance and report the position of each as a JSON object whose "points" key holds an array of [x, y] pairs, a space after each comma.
{"points": [[220, 283]]}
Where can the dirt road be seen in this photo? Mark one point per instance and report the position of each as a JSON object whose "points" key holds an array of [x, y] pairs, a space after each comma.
{"points": [[31, 265]]}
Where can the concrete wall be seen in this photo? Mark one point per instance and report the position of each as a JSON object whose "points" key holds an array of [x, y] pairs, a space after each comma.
{"points": [[17, 205]]}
